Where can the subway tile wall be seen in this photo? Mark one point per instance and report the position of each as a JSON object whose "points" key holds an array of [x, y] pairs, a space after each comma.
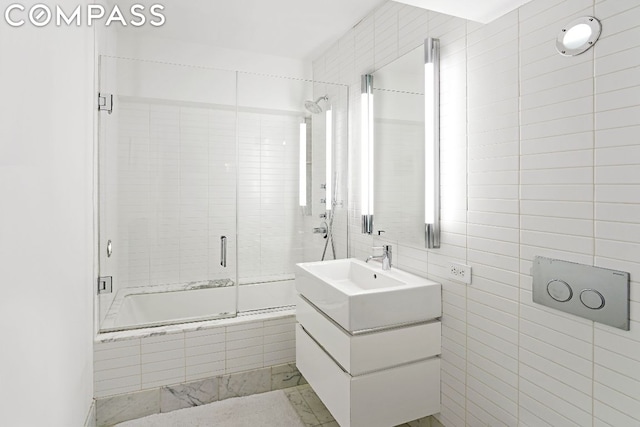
{"points": [[176, 193], [135, 364], [401, 168], [540, 156], [270, 225]]}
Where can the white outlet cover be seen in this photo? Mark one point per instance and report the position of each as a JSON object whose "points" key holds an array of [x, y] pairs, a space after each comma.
{"points": [[459, 273]]}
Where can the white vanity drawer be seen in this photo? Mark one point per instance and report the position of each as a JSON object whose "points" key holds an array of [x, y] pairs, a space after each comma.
{"points": [[378, 399], [359, 354]]}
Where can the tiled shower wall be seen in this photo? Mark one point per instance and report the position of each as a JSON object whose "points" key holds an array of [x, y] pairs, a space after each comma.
{"points": [[270, 224], [315, 243], [176, 193], [173, 165], [540, 156]]}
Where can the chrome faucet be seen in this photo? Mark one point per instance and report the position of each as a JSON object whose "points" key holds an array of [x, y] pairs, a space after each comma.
{"points": [[385, 258]]}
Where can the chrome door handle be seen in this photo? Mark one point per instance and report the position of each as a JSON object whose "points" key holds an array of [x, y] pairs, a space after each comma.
{"points": [[223, 251], [109, 249]]}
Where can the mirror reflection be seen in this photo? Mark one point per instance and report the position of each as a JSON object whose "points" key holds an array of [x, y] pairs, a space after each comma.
{"points": [[399, 149]]}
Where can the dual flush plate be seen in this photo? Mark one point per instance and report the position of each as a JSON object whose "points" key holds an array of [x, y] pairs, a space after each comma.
{"points": [[597, 294]]}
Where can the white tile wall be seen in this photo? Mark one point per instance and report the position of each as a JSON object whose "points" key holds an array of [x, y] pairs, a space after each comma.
{"points": [[396, 160], [270, 226], [176, 194], [205, 353], [137, 364], [172, 194], [540, 157]]}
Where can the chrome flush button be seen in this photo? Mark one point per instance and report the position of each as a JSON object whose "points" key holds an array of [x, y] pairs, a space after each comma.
{"points": [[559, 290], [592, 299], [595, 293]]}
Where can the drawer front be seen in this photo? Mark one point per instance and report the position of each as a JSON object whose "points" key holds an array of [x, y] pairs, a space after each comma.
{"points": [[386, 349], [332, 338], [331, 384], [378, 399], [359, 354], [396, 396]]}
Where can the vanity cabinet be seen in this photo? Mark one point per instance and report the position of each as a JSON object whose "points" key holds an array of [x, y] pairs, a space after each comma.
{"points": [[372, 378]]}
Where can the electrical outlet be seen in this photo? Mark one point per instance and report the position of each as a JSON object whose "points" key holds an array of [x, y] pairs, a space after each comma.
{"points": [[460, 273]]}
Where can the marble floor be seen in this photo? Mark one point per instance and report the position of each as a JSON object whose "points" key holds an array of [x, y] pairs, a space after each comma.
{"points": [[313, 413]]}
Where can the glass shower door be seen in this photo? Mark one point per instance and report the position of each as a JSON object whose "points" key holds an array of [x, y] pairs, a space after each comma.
{"points": [[167, 202]]}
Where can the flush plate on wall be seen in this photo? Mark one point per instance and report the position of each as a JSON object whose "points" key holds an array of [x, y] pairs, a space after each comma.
{"points": [[595, 293]]}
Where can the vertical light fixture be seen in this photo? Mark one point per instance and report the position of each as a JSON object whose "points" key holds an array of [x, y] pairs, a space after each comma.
{"points": [[366, 153], [432, 142], [303, 165], [329, 158]]}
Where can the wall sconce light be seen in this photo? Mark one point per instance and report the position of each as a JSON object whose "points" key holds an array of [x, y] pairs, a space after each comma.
{"points": [[303, 165], [366, 153], [432, 142], [578, 36], [329, 158]]}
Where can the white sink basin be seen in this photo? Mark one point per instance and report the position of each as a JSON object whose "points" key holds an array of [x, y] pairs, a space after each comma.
{"points": [[360, 296]]}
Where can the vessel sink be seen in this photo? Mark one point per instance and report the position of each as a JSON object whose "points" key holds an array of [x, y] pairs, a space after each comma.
{"points": [[361, 296]]}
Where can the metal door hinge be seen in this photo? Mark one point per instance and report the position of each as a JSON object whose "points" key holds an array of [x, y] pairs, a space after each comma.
{"points": [[105, 285], [105, 102]]}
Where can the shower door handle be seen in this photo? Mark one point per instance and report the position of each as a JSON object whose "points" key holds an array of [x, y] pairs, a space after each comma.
{"points": [[223, 251]]}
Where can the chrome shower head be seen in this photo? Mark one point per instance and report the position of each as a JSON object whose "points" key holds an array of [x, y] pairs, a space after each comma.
{"points": [[313, 106]]}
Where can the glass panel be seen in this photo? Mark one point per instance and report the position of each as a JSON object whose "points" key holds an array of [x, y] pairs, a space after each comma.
{"points": [[335, 246], [274, 231], [194, 161], [167, 172], [271, 232]]}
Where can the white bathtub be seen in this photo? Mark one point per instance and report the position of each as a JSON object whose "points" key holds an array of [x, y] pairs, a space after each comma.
{"points": [[135, 308], [273, 344]]}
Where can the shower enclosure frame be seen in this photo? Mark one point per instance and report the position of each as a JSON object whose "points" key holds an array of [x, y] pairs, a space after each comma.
{"points": [[235, 274]]}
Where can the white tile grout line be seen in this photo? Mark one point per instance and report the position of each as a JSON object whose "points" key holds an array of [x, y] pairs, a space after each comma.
{"points": [[593, 219], [519, 206], [466, 252]]}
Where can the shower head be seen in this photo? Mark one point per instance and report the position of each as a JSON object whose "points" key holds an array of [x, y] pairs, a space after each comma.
{"points": [[314, 106]]}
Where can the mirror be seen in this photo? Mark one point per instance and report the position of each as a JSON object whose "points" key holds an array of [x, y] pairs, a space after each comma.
{"points": [[578, 36], [399, 135]]}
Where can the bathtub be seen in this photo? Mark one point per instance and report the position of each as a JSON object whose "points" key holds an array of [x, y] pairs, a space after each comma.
{"points": [[181, 351], [135, 308]]}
